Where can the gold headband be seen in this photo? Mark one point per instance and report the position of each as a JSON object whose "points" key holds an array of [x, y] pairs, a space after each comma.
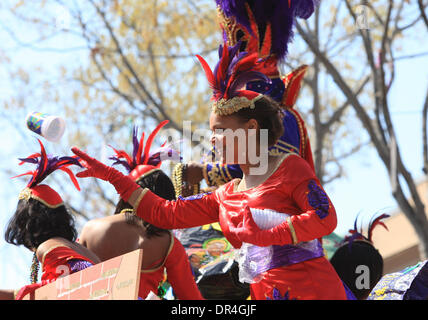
{"points": [[225, 107]]}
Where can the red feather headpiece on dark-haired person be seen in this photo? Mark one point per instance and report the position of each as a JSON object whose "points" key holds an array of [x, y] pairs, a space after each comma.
{"points": [[229, 78], [46, 164], [143, 161], [357, 235]]}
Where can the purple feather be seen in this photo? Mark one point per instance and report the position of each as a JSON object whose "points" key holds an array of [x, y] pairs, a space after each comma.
{"points": [[304, 9], [162, 154], [236, 9], [277, 12], [240, 77], [244, 78], [357, 234], [121, 162], [156, 157], [29, 160], [135, 144], [52, 163], [232, 55], [352, 238], [234, 61]]}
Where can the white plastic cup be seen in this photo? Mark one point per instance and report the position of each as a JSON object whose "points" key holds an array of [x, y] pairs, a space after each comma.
{"points": [[48, 126]]}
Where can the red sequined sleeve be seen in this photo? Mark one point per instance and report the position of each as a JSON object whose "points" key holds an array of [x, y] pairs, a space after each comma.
{"points": [[187, 212]]}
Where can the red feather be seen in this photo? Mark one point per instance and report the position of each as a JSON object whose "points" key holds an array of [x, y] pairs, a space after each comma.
{"points": [[43, 156], [267, 42], [58, 164], [245, 64], [150, 140], [140, 150], [208, 73], [375, 223], [71, 175], [24, 174], [293, 82], [122, 154]]}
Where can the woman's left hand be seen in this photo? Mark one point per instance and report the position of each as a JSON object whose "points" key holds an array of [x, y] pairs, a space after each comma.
{"points": [[248, 231]]}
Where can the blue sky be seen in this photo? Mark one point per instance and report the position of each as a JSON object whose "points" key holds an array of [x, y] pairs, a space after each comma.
{"points": [[365, 188]]}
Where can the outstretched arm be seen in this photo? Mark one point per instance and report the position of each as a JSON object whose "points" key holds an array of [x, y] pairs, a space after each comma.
{"points": [[187, 212], [183, 213]]}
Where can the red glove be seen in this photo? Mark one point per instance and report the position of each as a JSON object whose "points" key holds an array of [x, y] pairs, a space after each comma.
{"points": [[124, 185], [30, 288], [248, 231]]}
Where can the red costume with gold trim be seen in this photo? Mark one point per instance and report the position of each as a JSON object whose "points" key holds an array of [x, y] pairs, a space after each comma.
{"points": [[62, 256], [293, 189]]}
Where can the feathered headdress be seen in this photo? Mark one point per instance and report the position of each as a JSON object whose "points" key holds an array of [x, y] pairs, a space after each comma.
{"points": [[231, 74], [264, 26], [46, 164], [143, 160], [355, 234]]}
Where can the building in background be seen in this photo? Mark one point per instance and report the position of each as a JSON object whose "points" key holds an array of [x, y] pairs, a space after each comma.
{"points": [[399, 245]]}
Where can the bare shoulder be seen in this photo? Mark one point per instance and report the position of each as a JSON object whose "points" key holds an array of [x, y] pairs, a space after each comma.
{"points": [[100, 225], [53, 243], [50, 244]]}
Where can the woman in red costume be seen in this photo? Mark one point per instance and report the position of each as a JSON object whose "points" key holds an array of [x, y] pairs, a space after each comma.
{"points": [[43, 225], [124, 232], [275, 218]]}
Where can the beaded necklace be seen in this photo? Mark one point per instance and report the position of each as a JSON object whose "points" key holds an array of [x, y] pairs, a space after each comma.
{"points": [[34, 269]]}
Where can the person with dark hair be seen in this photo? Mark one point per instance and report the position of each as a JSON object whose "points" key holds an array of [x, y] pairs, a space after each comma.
{"points": [[275, 216], [43, 224], [124, 232], [357, 255]]}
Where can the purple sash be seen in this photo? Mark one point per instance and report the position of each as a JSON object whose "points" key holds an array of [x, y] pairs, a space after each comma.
{"points": [[254, 260]]}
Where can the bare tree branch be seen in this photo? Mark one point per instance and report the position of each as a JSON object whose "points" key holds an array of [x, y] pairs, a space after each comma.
{"points": [[412, 207], [424, 134], [423, 14], [347, 91], [338, 113], [126, 62]]}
